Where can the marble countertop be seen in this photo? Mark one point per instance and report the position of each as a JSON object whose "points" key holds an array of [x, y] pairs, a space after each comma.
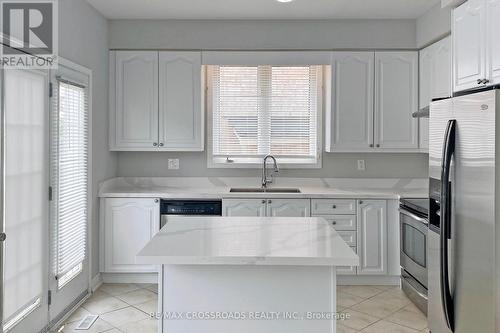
{"points": [[203, 240], [219, 187]]}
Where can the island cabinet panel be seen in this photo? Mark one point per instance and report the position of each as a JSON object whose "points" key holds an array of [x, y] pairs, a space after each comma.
{"points": [[372, 237], [127, 224], [288, 208], [244, 207], [267, 207]]}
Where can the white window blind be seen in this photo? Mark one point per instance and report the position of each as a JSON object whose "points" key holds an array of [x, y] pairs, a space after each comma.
{"points": [[70, 178], [260, 110]]}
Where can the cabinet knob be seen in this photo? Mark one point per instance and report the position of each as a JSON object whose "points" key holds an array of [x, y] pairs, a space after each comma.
{"points": [[155, 144], [486, 81], [479, 81], [269, 201], [371, 145], [156, 200], [161, 144], [334, 222], [263, 201], [334, 206], [360, 202], [378, 146]]}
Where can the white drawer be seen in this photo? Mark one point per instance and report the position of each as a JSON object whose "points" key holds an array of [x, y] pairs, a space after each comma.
{"points": [[349, 237], [347, 270], [341, 222], [333, 206]]}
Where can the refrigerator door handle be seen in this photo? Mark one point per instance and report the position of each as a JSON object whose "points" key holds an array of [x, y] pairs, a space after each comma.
{"points": [[445, 232]]}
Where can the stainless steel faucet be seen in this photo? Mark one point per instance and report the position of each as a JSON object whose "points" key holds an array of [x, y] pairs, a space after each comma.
{"points": [[265, 178]]}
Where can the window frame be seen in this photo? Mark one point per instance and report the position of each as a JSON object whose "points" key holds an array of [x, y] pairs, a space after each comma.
{"points": [[256, 162]]}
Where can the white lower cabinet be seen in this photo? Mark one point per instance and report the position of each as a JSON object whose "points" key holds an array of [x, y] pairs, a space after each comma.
{"points": [[244, 207], [347, 270], [372, 237], [289, 208], [127, 224], [266, 207]]}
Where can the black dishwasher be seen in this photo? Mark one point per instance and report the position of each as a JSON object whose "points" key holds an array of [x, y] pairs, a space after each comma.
{"points": [[189, 208]]}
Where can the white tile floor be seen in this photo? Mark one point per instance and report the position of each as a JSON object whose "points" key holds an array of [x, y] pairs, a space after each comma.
{"points": [[369, 309]]}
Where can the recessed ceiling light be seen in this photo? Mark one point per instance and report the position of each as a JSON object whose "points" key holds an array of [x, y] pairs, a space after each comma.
{"points": [[284, 1]]}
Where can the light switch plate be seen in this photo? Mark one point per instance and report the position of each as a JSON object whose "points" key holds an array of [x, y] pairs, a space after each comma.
{"points": [[173, 163], [361, 165]]}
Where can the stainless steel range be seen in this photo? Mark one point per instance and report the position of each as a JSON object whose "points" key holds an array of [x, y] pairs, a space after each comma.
{"points": [[414, 223]]}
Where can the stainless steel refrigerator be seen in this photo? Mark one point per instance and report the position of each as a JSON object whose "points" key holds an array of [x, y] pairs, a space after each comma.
{"points": [[461, 239]]}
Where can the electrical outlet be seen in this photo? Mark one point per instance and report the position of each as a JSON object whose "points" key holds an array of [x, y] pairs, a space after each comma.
{"points": [[173, 163], [361, 165]]}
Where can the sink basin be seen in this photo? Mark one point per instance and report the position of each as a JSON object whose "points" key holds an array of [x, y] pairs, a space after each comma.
{"points": [[261, 190]]}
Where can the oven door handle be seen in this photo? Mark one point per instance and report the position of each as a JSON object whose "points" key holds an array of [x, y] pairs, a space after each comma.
{"points": [[413, 216]]}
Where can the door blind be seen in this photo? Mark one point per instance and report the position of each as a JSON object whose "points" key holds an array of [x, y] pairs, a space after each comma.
{"points": [[259, 110], [70, 178]]}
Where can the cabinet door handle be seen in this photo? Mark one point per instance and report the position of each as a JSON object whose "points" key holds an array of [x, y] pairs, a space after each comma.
{"points": [[334, 206], [156, 200], [334, 222], [378, 145], [155, 144], [263, 201], [371, 145], [161, 144], [479, 81], [269, 201], [360, 202], [486, 81]]}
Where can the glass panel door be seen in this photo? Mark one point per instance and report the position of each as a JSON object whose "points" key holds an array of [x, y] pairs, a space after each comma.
{"points": [[25, 201]]}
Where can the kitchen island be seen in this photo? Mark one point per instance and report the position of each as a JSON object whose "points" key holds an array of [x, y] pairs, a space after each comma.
{"points": [[247, 274]]}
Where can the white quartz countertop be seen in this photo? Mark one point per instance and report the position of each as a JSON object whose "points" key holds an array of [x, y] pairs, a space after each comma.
{"points": [[298, 241], [219, 187]]}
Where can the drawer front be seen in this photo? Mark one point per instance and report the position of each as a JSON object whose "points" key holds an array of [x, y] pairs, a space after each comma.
{"points": [[347, 270], [333, 206], [349, 237], [341, 222]]}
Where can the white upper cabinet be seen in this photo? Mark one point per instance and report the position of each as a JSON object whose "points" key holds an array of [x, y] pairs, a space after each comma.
{"points": [[396, 90], [441, 69], [180, 101], [493, 9], [134, 99], [288, 207], [372, 237], [434, 82], [156, 101], [350, 123], [469, 45]]}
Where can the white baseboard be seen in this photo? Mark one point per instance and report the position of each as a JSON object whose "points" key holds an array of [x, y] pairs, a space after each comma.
{"points": [[129, 277], [96, 282], [366, 280]]}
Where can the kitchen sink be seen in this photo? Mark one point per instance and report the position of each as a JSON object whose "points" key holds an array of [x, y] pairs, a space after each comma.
{"points": [[262, 190]]}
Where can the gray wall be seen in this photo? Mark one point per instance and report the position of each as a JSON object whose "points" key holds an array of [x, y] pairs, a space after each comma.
{"points": [[342, 165], [265, 34], [262, 34], [83, 39], [433, 25]]}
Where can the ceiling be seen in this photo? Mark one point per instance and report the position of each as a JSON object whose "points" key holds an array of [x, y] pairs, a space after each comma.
{"points": [[261, 9]]}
